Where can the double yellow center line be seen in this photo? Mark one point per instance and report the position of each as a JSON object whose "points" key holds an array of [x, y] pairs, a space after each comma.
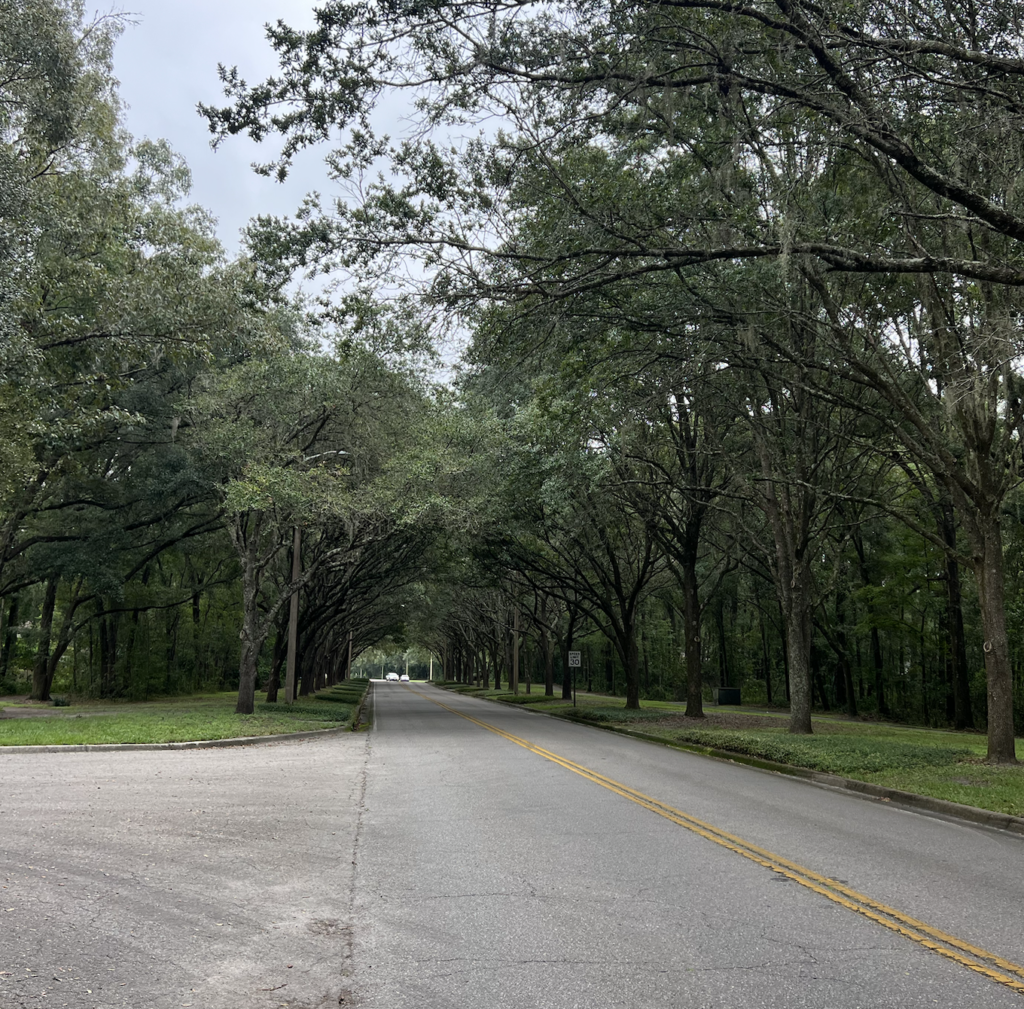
{"points": [[994, 967]]}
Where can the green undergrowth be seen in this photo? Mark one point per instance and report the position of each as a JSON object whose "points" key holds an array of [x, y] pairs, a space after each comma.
{"points": [[942, 764], [181, 720], [522, 698], [599, 713], [835, 754], [471, 690]]}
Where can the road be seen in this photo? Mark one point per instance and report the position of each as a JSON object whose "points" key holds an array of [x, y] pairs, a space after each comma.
{"points": [[492, 875], [467, 855]]}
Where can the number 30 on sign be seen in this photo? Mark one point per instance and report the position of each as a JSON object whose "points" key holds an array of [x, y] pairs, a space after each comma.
{"points": [[574, 660]]}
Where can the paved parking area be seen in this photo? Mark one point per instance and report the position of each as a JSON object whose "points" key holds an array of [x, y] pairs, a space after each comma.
{"points": [[215, 878]]}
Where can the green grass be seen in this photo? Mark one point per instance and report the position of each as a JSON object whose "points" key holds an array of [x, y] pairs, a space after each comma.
{"points": [[209, 716], [942, 764], [835, 754]]}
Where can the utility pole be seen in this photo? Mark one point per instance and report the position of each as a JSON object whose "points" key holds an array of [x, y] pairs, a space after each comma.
{"points": [[293, 619]]}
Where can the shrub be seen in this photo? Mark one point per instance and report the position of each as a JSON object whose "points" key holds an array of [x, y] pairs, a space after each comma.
{"points": [[833, 754]]}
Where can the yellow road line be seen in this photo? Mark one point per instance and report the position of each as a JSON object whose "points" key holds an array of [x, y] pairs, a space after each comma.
{"points": [[964, 953]]}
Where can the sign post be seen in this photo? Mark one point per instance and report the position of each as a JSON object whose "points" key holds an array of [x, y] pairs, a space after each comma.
{"points": [[574, 664]]}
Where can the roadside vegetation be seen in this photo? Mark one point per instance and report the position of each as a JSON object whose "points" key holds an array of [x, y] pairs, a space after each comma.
{"points": [[200, 717]]}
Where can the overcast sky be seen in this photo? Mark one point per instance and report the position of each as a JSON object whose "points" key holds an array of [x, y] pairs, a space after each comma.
{"points": [[167, 62]]}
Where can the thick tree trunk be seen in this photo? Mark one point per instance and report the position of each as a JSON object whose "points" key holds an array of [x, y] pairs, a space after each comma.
{"points": [[10, 637], [549, 662], [794, 591], [252, 641], [692, 643], [40, 679], [246, 679], [631, 661], [999, 674]]}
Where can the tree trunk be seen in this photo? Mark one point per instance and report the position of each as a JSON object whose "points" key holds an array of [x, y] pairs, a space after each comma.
{"points": [[10, 637], [250, 636], [246, 679], [692, 644], [277, 657], [999, 674], [549, 662], [631, 661], [108, 633], [40, 680], [799, 637], [845, 670], [766, 652]]}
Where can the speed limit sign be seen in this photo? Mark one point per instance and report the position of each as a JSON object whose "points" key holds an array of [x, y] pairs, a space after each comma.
{"points": [[574, 660]]}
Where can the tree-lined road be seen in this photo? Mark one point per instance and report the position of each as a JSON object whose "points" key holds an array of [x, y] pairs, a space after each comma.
{"points": [[465, 854], [491, 875]]}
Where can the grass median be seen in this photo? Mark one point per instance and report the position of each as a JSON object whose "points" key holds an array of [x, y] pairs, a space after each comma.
{"points": [[176, 720], [943, 764]]}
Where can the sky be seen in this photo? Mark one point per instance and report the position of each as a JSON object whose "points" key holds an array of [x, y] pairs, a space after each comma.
{"points": [[167, 62]]}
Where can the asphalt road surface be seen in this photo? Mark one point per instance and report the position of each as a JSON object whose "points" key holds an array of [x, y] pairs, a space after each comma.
{"points": [[217, 878], [467, 854]]}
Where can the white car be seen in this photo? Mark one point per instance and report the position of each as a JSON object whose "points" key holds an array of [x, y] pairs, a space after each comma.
{"points": [[404, 678], [392, 677]]}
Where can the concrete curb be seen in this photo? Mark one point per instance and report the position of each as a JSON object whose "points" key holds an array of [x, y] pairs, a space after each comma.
{"points": [[194, 744], [906, 800]]}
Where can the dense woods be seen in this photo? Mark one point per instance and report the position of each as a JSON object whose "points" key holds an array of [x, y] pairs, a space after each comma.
{"points": [[741, 397]]}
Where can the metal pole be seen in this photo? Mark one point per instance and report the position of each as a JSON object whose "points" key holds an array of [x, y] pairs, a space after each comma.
{"points": [[293, 620], [348, 667]]}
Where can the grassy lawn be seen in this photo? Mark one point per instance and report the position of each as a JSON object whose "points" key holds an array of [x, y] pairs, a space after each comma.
{"points": [[945, 765], [206, 716]]}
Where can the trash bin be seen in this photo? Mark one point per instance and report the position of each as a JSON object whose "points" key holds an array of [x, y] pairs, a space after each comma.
{"points": [[727, 695]]}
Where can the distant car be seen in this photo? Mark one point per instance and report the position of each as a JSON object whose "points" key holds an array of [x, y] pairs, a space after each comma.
{"points": [[404, 678], [392, 677]]}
